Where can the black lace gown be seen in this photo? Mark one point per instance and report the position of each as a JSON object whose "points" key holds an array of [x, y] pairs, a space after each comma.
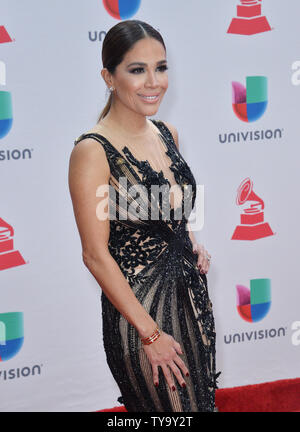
{"points": [[157, 260]]}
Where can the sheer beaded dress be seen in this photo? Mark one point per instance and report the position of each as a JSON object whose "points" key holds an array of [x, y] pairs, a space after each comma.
{"points": [[154, 252]]}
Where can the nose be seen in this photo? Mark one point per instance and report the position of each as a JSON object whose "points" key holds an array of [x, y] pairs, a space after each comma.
{"points": [[151, 80]]}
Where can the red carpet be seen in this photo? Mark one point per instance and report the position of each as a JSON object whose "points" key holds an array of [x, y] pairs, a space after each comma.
{"points": [[276, 396]]}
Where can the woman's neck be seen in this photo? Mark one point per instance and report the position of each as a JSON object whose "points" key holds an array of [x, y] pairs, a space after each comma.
{"points": [[126, 121]]}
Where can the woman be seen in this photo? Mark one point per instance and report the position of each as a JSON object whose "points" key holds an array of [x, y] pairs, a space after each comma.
{"points": [[158, 326]]}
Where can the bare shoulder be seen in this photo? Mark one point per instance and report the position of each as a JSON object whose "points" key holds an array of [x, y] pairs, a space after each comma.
{"points": [[88, 147], [87, 150], [88, 155], [173, 131]]}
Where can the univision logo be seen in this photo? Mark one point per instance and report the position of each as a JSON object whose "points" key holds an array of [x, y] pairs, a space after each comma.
{"points": [[253, 304], [11, 334], [11, 341], [6, 121], [255, 335], [118, 9], [6, 116], [122, 9], [250, 103]]}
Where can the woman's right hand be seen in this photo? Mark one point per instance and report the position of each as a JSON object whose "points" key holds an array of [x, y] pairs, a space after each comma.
{"points": [[164, 352]]}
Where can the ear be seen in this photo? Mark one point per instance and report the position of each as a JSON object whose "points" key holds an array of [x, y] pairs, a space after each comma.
{"points": [[107, 76]]}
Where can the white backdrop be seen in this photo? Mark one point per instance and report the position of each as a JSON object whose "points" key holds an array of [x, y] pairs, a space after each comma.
{"points": [[50, 62]]}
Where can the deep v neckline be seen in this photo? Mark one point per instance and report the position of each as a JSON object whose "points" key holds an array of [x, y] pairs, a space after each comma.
{"points": [[143, 165], [178, 166]]}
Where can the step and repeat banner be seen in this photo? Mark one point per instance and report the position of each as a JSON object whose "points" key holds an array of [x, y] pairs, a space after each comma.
{"points": [[234, 97]]}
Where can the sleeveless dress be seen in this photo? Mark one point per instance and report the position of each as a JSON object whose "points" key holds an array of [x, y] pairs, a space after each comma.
{"points": [[155, 256]]}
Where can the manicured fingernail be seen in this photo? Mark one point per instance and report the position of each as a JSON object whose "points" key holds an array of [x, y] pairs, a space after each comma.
{"points": [[156, 384], [183, 385], [173, 388], [187, 374]]}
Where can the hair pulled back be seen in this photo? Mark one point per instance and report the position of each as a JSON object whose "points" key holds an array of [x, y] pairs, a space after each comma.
{"points": [[118, 41]]}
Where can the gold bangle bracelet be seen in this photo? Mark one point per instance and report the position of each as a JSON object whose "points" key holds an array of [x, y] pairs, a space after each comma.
{"points": [[150, 339], [146, 339]]}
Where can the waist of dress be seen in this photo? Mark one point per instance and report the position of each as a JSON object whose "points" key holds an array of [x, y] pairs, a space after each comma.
{"points": [[179, 243]]}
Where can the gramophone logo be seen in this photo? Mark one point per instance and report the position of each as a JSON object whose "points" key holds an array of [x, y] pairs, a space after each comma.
{"points": [[253, 304], [249, 103], [11, 334], [122, 9], [252, 226], [4, 36], [8, 256], [249, 20], [6, 117]]}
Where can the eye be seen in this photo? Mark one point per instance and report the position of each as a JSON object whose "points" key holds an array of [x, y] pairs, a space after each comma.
{"points": [[163, 68], [137, 70]]}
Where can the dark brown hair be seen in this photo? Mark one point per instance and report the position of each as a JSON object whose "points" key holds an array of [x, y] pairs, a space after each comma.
{"points": [[118, 41]]}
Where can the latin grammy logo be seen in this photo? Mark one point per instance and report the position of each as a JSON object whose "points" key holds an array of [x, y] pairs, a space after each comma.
{"points": [[4, 36], [252, 225], [8, 256], [249, 19]]}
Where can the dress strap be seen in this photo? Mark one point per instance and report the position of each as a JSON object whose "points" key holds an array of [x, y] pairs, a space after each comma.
{"points": [[115, 159], [96, 136], [110, 150], [165, 131]]}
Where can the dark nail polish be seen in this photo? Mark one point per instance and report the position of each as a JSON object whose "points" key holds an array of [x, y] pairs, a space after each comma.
{"points": [[156, 384], [173, 388], [187, 374], [183, 385]]}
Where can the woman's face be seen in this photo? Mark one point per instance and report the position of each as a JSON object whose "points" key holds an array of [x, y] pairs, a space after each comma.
{"points": [[141, 80]]}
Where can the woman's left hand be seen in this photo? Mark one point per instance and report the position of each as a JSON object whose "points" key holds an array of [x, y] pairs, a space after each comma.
{"points": [[204, 257]]}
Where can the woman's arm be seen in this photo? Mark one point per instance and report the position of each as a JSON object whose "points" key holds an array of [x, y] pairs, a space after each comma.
{"points": [[89, 169]]}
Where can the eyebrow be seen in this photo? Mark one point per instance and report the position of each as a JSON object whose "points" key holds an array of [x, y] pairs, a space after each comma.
{"points": [[145, 64]]}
